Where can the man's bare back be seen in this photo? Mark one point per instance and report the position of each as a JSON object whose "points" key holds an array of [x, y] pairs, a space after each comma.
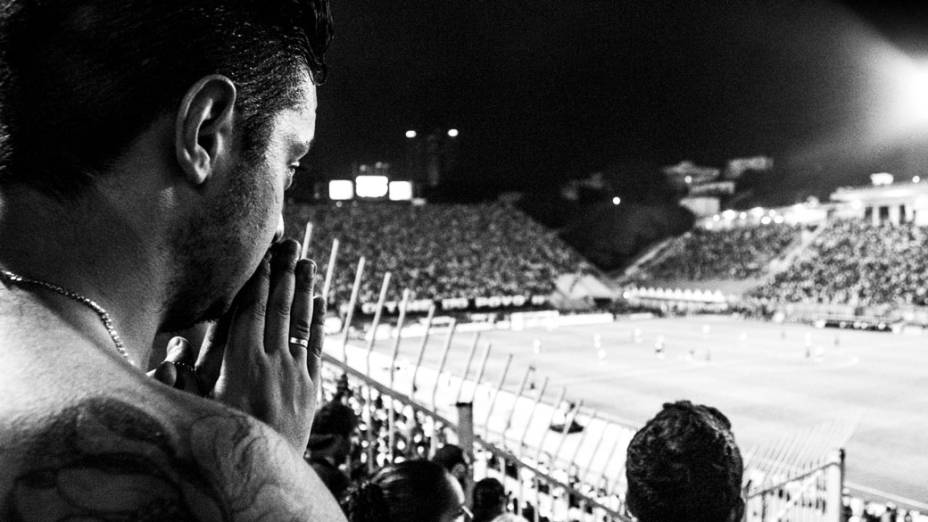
{"points": [[83, 438]]}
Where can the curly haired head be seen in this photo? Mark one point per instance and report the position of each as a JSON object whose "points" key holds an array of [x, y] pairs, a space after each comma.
{"points": [[684, 465]]}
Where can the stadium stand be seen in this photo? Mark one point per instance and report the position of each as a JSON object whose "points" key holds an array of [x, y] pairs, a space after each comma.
{"points": [[493, 248], [732, 253], [856, 263], [438, 251]]}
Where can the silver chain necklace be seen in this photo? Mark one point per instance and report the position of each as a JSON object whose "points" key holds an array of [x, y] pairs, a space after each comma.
{"points": [[86, 301]]}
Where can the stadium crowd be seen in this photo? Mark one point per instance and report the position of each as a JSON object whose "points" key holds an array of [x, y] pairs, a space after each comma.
{"points": [[855, 263], [732, 253], [436, 250]]}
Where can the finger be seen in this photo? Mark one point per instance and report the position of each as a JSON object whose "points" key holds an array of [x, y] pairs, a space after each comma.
{"points": [[180, 355], [212, 350], [280, 300], [165, 373], [180, 351], [316, 338], [302, 311], [247, 330]]}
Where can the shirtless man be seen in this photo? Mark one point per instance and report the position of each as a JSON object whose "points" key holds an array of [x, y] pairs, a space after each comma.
{"points": [[149, 146]]}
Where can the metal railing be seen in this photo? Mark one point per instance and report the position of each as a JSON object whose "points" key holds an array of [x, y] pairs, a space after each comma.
{"points": [[799, 477], [535, 489], [542, 473], [809, 495]]}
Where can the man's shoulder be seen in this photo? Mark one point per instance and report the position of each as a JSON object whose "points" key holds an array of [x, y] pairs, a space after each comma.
{"points": [[151, 456]]}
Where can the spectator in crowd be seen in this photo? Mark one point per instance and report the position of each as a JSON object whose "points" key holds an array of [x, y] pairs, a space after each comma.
{"points": [[738, 253], [330, 444], [489, 500], [858, 264], [411, 491], [684, 465], [146, 151], [452, 458], [437, 250]]}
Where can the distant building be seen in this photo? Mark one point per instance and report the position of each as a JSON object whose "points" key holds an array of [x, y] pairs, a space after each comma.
{"points": [[702, 191], [885, 201]]}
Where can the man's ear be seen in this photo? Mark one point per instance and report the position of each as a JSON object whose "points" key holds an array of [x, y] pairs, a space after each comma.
{"points": [[459, 470], [203, 130]]}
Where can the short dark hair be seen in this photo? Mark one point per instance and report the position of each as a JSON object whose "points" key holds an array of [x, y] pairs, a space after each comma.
{"points": [[489, 499], [81, 79], [449, 456], [335, 418], [684, 465], [411, 491]]}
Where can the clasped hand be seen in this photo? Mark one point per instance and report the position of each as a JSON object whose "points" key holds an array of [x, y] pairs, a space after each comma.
{"points": [[262, 357]]}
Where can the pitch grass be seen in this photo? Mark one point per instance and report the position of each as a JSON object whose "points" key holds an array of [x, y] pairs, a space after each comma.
{"points": [[756, 372]]}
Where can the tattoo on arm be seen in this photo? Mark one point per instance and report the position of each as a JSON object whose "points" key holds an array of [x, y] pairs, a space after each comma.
{"points": [[106, 459]]}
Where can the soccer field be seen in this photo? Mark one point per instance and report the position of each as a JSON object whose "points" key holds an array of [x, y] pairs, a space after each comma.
{"points": [[756, 372]]}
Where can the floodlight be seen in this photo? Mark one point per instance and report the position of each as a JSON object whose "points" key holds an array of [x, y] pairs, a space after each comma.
{"points": [[452, 133], [411, 134], [341, 189], [372, 186], [913, 94], [400, 191]]}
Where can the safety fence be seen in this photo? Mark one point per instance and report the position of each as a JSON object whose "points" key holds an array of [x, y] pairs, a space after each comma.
{"points": [[813, 495], [559, 460], [397, 427], [800, 477]]}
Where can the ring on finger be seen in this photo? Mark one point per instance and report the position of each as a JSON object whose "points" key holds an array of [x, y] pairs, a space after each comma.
{"points": [[191, 372], [184, 366], [301, 342]]}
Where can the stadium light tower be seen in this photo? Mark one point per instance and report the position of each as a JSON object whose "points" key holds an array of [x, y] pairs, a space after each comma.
{"points": [[913, 94], [901, 99]]}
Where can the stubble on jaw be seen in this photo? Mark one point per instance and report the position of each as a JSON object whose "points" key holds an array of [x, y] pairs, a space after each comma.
{"points": [[211, 250]]}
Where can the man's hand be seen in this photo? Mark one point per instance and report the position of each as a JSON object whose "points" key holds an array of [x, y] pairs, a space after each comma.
{"points": [[263, 356]]}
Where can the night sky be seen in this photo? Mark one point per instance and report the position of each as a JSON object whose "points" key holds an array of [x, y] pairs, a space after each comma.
{"points": [[542, 90]]}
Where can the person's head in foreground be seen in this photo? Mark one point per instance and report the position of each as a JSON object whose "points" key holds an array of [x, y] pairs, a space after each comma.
{"points": [[684, 465], [489, 499], [330, 444], [411, 491], [179, 124], [333, 426], [452, 458], [146, 147]]}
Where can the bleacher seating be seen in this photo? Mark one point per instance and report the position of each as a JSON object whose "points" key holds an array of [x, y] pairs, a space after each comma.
{"points": [[856, 263], [732, 253], [437, 251]]}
